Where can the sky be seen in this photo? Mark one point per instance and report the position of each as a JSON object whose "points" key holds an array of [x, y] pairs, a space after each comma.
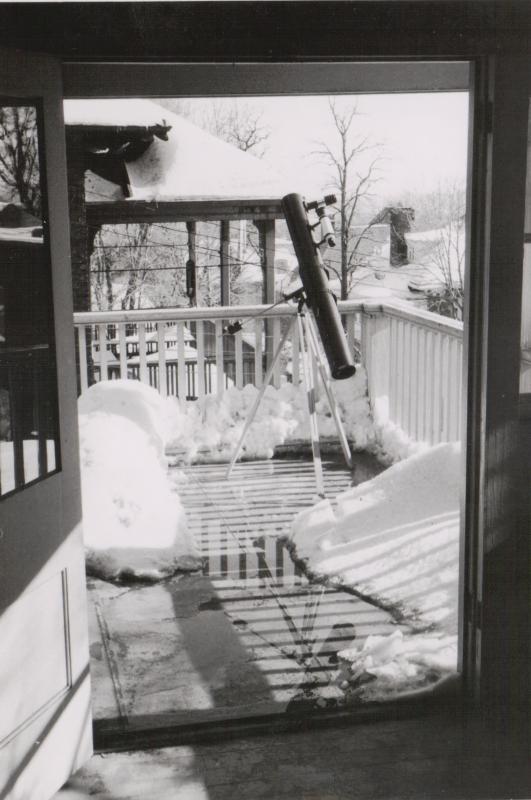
{"points": [[421, 138]]}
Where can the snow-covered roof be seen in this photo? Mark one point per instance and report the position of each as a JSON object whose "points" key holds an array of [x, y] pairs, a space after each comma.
{"points": [[192, 165]]}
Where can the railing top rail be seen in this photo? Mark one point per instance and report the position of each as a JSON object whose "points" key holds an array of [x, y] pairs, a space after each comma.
{"points": [[410, 313], [182, 314], [393, 309]]}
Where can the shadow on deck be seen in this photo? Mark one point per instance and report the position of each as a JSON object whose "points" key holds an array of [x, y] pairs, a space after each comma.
{"points": [[250, 636]]}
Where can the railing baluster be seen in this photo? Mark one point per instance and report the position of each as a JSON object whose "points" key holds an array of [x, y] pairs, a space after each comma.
{"points": [[424, 385], [220, 374], [295, 354], [459, 385], [400, 374], [414, 383], [446, 389], [102, 336], [200, 342], [258, 353], [238, 353], [392, 367], [437, 383], [351, 331], [122, 344], [161, 339], [82, 353], [453, 431], [276, 341], [182, 388], [142, 361]]}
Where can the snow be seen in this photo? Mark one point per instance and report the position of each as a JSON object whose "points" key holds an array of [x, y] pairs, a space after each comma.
{"points": [[395, 539], [209, 428], [195, 164], [118, 112], [191, 164], [385, 664], [133, 523]]}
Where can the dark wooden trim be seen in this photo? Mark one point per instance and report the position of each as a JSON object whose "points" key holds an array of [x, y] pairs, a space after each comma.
{"points": [[258, 31], [110, 735], [224, 262], [191, 264], [128, 211], [169, 80], [525, 407], [496, 558]]}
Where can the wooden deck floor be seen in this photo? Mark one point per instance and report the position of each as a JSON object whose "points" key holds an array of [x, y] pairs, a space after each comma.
{"points": [[247, 637]]}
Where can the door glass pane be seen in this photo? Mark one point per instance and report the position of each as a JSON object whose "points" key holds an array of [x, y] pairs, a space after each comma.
{"points": [[525, 368], [249, 595], [28, 388]]}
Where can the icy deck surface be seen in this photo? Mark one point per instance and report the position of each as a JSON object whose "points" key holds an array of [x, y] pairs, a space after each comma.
{"points": [[250, 635]]}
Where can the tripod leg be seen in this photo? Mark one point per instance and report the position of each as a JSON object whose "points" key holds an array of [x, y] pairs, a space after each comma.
{"points": [[325, 377], [309, 388], [254, 409]]}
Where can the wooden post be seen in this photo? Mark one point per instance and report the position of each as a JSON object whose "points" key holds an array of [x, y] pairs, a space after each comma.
{"points": [[191, 264], [224, 259], [266, 239], [266, 232]]}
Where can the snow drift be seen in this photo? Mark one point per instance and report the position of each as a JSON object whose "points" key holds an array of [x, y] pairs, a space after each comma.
{"points": [[394, 538], [385, 666], [134, 524], [209, 428]]}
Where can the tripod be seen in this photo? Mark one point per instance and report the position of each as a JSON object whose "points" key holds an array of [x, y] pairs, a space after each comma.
{"points": [[310, 352]]}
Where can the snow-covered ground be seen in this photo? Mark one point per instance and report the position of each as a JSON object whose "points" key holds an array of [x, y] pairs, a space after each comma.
{"points": [[395, 539], [133, 523]]}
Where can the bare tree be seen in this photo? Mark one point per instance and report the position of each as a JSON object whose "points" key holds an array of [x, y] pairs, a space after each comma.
{"points": [[235, 121], [239, 124], [352, 178], [442, 253], [19, 156], [138, 265]]}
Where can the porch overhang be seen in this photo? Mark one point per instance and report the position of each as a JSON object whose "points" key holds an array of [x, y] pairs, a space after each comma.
{"points": [[129, 211]]}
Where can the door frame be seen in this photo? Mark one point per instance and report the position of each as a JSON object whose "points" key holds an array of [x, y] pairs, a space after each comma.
{"points": [[495, 521]]}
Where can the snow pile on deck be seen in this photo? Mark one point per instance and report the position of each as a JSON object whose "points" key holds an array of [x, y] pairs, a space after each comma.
{"points": [[395, 539], [383, 664], [134, 525], [210, 427]]}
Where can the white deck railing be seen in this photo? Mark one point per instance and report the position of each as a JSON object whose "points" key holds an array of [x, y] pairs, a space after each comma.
{"points": [[412, 357]]}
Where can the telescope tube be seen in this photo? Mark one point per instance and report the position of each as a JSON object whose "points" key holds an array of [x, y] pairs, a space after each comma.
{"points": [[315, 284]]}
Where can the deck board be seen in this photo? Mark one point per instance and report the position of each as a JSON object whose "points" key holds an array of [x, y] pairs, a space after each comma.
{"points": [[250, 635]]}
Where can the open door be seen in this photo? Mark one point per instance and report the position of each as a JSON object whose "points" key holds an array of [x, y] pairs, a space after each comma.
{"points": [[45, 730]]}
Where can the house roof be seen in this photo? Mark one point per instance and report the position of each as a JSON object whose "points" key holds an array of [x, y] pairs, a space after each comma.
{"points": [[191, 165]]}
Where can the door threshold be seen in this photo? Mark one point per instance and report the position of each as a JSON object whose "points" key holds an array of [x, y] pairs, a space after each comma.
{"points": [[156, 731]]}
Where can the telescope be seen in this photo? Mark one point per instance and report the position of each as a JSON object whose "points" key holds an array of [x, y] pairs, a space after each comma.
{"points": [[319, 297]]}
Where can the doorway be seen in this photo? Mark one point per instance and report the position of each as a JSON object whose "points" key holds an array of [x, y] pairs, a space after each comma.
{"points": [[241, 545]]}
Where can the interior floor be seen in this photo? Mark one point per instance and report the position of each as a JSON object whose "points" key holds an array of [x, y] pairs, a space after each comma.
{"points": [[248, 636], [426, 758]]}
